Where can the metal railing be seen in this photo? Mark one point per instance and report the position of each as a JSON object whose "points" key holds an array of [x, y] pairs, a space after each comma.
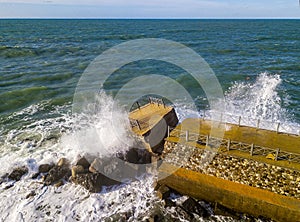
{"points": [[252, 122], [225, 145], [141, 124]]}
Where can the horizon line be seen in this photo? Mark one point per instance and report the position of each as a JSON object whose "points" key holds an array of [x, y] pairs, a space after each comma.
{"points": [[151, 18]]}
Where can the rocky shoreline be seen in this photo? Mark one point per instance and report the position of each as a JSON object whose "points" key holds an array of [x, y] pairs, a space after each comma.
{"points": [[86, 172], [245, 171]]}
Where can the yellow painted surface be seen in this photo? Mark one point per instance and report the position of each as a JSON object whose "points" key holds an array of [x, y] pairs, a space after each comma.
{"points": [[239, 197], [148, 116], [249, 135]]}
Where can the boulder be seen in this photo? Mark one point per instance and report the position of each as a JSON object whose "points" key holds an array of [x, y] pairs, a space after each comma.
{"points": [[3, 178], [95, 166], [58, 184], [63, 162], [31, 194], [57, 173], [44, 168], [169, 203], [83, 162], [192, 206], [93, 182], [163, 192], [77, 170], [17, 173], [136, 156]]}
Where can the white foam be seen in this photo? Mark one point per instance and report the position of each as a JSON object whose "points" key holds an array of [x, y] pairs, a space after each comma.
{"points": [[70, 202]]}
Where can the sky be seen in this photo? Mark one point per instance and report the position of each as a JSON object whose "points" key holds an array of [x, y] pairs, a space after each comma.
{"points": [[149, 9]]}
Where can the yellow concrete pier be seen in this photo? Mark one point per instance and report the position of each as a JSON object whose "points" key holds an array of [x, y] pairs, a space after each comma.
{"points": [[269, 147]]}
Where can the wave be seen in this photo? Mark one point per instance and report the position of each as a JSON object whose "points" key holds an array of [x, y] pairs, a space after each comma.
{"points": [[249, 102]]}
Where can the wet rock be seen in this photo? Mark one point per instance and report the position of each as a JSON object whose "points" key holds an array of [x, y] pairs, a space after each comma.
{"points": [[44, 168], [224, 211], [83, 162], [3, 178], [63, 162], [169, 203], [163, 192], [192, 206], [77, 170], [136, 156], [93, 182], [95, 165], [57, 173], [8, 186], [35, 176], [31, 194], [17, 173], [58, 184]]}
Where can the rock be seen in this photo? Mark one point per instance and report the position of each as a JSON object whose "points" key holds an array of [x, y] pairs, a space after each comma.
{"points": [[31, 194], [36, 175], [169, 203], [44, 168], [17, 173], [59, 184], [3, 178], [224, 211], [57, 173], [77, 170], [136, 156], [93, 182], [8, 186], [95, 166], [83, 162], [63, 162], [192, 206], [163, 192]]}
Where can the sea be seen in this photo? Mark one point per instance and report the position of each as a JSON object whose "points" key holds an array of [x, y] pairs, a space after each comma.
{"points": [[256, 62]]}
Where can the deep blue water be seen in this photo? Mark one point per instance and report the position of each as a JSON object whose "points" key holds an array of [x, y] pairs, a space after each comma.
{"points": [[41, 61]]}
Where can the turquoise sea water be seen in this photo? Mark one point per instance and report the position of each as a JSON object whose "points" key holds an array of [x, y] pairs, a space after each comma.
{"points": [[41, 61]]}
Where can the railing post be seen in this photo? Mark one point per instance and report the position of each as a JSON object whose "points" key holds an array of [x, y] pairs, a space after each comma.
{"points": [[207, 138], [277, 152], [240, 119], [251, 150], [163, 103], [138, 124], [187, 135], [277, 129], [258, 122], [137, 103], [228, 145]]}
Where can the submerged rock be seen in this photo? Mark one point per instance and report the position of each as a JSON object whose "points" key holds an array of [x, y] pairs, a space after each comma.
{"points": [[17, 173]]}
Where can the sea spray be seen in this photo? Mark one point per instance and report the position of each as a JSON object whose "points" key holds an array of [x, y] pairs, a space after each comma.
{"points": [[250, 103], [104, 132], [258, 100], [259, 104], [75, 134]]}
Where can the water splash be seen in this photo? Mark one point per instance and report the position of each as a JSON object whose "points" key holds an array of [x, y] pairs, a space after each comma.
{"points": [[258, 100]]}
